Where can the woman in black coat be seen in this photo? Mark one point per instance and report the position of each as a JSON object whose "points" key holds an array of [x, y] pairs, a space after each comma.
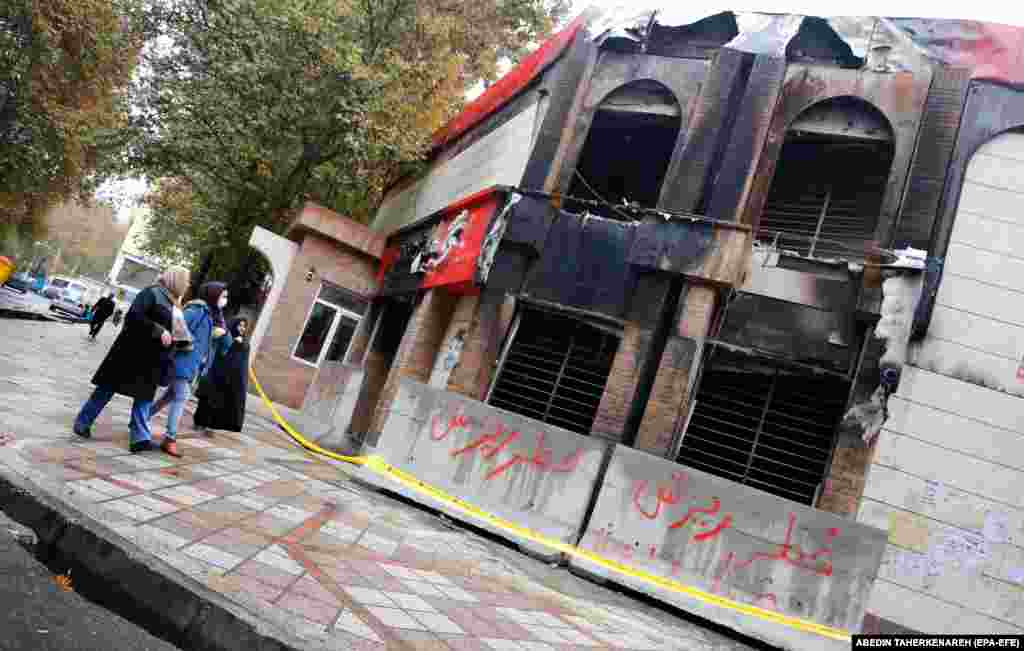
{"points": [[135, 363], [223, 391]]}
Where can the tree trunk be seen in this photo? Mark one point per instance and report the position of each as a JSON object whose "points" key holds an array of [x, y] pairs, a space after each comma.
{"points": [[201, 274]]}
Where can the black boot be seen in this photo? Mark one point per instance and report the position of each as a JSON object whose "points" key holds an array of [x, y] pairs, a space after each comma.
{"points": [[140, 446]]}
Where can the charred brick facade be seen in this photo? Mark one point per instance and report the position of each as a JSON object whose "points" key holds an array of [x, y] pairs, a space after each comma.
{"points": [[727, 318]]}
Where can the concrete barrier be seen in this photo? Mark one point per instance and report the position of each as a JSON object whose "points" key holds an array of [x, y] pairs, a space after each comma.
{"points": [[535, 475], [331, 401], [736, 542]]}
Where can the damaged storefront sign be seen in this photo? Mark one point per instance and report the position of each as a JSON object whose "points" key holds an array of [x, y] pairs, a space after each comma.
{"points": [[444, 250]]}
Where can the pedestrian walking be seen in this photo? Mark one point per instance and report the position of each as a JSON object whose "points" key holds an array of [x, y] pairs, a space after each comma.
{"points": [[199, 338], [101, 312], [118, 314], [223, 391], [133, 365]]}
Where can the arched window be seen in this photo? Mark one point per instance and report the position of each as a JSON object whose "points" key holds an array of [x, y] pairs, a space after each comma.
{"points": [[629, 146], [830, 180]]}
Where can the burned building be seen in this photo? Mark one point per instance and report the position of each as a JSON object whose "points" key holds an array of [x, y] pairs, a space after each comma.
{"points": [[772, 253]]}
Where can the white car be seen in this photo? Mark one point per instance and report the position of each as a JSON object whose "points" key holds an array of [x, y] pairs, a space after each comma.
{"points": [[71, 301]]}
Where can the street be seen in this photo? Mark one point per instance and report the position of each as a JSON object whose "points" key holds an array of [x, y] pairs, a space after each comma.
{"points": [[279, 541], [36, 614]]}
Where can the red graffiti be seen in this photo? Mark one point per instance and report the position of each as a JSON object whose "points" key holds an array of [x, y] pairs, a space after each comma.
{"points": [[787, 553], [627, 551], [723, 570], [542, 457], [488, 443], [791, 554], [677, 567], [662, 495], [715, 530], [459, 421]]}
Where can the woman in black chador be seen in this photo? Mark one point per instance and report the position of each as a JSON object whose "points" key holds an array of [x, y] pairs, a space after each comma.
{"points": [[222, 392]]}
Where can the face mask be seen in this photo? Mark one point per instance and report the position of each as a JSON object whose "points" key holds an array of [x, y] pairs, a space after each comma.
{"points": [[222, 302]]}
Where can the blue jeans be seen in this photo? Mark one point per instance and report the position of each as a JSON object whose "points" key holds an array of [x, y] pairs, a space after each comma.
{"points": [[176, 395], [138, 429]]}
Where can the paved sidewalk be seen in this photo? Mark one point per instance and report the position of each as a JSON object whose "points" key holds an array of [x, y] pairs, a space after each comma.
{"points": [[287, 539]]}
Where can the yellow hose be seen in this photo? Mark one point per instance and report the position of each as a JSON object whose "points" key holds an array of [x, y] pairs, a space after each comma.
{"points": [[376, 464], [299, 438]]}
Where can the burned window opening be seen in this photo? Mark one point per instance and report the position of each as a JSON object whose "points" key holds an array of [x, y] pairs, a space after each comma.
{"points": [[555, 370], [700, 40], [628, 148], [764, 424], [827, 192], [818, 42]]}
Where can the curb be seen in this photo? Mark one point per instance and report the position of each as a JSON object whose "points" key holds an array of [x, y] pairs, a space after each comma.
{"points": [[160, 598]]}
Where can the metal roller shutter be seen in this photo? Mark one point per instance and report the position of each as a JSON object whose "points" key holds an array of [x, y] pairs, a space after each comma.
{"points": [[765, 426], [555, 370]]}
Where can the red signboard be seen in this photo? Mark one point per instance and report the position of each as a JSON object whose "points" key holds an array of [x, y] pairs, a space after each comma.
{"points": [[452, 251], [459, 237]]}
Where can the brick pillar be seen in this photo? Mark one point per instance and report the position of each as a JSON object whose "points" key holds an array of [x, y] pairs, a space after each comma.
{"points": [[844, 486], [670, 396], [419, 347], [616, 414], [620, 392], [477, 320]]}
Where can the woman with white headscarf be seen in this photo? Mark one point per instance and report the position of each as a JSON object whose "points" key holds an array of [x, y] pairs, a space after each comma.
{"points": [[135, 363]]}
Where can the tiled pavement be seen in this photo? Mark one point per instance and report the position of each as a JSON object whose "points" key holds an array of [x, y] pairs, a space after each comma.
{"points": [[281, 532]]}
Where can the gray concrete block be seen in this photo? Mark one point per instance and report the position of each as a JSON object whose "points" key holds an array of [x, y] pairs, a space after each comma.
{"points": [[734, 541], [518, 469]]}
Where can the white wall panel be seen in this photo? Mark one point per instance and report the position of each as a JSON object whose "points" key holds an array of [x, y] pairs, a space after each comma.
{"points": [[948, 471], [979, 332], [953, 431], [499, 158]]}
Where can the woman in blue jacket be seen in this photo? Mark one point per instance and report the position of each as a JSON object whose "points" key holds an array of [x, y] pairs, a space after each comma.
{"points": [[198, 342]]}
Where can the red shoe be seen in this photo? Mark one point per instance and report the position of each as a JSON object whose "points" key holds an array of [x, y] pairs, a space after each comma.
{"points": [[170, 447]]}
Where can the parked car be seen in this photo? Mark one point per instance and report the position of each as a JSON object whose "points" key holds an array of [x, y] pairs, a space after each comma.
{"points": [[20, 282], [71, 302], [56, 287]]}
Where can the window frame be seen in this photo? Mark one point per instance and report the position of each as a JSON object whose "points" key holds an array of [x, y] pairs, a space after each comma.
{"points": [[339, 312]]}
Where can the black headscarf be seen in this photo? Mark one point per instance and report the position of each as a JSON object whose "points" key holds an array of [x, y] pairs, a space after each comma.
{"points": [[210, 293], [234, 324]]}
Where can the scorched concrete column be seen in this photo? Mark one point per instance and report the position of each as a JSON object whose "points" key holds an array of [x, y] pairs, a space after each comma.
{"points": [[418, 350], [670, 395]]}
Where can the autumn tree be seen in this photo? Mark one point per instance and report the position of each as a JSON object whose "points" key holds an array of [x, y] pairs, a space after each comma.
{"points": [[64, 65], [87, 236], [246, 108]]}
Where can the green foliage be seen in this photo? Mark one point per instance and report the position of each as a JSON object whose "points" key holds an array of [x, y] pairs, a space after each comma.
{"points": [[247, 108], [63, 67]]}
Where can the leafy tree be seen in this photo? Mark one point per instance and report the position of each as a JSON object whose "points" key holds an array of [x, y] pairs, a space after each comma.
{"points": [[246, 108], [87, 235], [64, 65]]}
